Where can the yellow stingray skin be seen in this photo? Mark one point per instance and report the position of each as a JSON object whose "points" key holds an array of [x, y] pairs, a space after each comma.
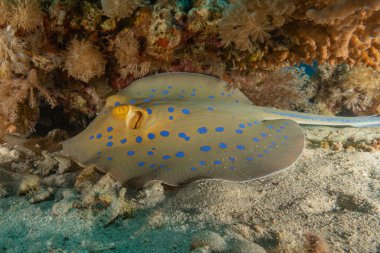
{"points": [[180, 127]]}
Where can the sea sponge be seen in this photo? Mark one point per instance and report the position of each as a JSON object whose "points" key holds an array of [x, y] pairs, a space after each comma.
{"points": [[84, 61], [243, 27], [120, 8], [13, 57], [4, 12], [27, 15]]}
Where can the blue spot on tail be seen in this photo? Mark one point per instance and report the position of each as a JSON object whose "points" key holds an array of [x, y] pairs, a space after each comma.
{"points": [[185, 111], [222, 145], [180, 154], [151, 136], [166, 157], [164, 133], [141, 164], [130, 153], [138, 139], [205, 148], [202, 130], [122, 141], [109, 144], [219, 129], [240, 147]]}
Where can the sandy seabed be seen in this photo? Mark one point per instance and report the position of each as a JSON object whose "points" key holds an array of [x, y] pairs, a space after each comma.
{"points": [[332, 192]]}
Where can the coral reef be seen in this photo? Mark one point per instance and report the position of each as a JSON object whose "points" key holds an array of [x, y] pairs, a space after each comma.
{"points": [[85, 50]]}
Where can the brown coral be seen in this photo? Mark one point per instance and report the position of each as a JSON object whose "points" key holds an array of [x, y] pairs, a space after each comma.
{"points": [[13, 57], [120, 8], [327, 31], [27, 15], [84, 61]]}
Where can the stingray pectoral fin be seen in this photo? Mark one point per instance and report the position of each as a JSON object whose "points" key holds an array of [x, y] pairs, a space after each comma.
{"points": [[278, 149]]}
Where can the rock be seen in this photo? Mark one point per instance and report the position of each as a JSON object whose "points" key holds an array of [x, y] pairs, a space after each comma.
{"points": [[201, 250], [208, 239], [240, 246], [28, 183], [64, 164], [69, 199], [156, 219], [8, 155], [64, 180], [102, 192], [3, 191], [151, 195], [41, 195], [47, 165]]}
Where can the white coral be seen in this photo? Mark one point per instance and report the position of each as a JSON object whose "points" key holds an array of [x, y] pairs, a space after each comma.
{"points": [[27, 15], [120, 8], [12, 54]]}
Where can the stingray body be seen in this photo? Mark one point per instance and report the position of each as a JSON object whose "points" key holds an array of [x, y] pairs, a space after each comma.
{"points": [[180, 127]]}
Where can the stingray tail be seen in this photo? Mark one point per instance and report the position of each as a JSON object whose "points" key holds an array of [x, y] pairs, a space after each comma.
{"points": [[314, 119]]}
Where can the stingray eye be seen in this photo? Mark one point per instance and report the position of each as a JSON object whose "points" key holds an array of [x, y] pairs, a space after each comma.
{"points": [[120, 111]]}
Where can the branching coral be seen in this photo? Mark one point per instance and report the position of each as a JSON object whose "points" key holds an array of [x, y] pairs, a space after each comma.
{"points": [[27, 15], [355, 89], [19, 103], [120, 8], [13, 57], [84, 61], [328, 31], [283, 89]]}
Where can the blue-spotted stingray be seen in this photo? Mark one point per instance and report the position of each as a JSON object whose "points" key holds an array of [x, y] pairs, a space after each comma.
{"points": [[181, 127]]}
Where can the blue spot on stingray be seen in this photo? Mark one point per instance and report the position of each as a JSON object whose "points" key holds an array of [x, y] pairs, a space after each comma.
{"points": [[240, 147], [270, 127], [219, 129], [255, 139], [171, 109], [180, 154], [132, 101], [122, 141], [138, 139], [165, 92], [202, 163], [166, 157], [256, 122], [222, 93], [109, 129], [286, 137], [266, 151], [141, 164], [231, 158], [171, 117], [192, 94], [109, 158], [149, 110], [249, 159], [181, 96], [164, 133], [250, 124], [109, 144], [239, 131], [154, 90], [110, 137], [264, 135], [130, 153], [282, 127], [205, 148], [241, 125], [151, 136], [146, 100], [98, 153], [169, 87], [217, 162], [228, 95], [210, 108], [211, 96], [149, 153], [151, 96], [193, 168], [278, 130], [260, 155], [202, 130], [194, 89], [222, 145], [232, 168], [152, 166], [185, 111], [184, 136], [91, 137], [274, 143], [117, 103]]}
